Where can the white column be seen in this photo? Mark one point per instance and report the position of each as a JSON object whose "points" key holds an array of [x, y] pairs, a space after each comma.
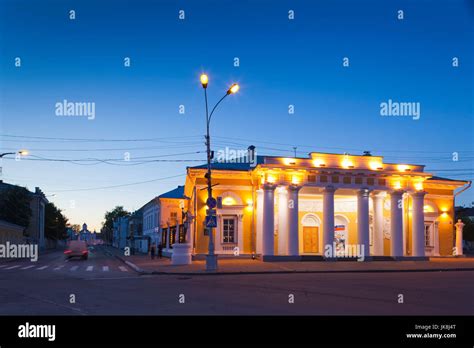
{"points": [[363, 220], [459, 227], [293, 220], [378, 223], [282, 221], [418, 223], [396, 224], [259, 236], [268, 219], [328, 218]]}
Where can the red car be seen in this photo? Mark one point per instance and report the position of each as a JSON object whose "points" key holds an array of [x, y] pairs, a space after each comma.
{"points": [[77, 248]]}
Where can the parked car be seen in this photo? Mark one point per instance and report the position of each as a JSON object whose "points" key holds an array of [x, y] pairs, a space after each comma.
{"points": [[77, 248]]}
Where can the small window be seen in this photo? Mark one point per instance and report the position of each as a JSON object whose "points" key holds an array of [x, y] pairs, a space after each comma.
{"points": [[323, 178], [347, 180], [335, 179], [228, 230], [370, 181], [358, 181], [311, 178], [428, 238], [381, 182]]}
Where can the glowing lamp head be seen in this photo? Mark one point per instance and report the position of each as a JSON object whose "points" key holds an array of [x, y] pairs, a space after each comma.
{"points": [[403, 168], [233, 89], [346, 163], [397, 185], [23, 152], [271, 179], [318, 163], [374, 165], [204, 80], [419, 186]]}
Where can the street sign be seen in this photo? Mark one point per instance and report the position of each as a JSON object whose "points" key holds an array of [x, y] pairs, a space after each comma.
{"points": [[211, 212], [211, 202], [211, 221]]}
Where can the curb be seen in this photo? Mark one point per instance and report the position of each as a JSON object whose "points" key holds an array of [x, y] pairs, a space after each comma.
{"points": [[309, 272], [431, 270]]}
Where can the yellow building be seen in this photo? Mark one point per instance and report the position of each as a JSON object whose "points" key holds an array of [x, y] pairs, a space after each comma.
{"points": [[329, 205]]}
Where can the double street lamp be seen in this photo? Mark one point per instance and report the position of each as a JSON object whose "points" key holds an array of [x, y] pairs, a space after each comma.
{"points": [[21, 153], [211, 257]]}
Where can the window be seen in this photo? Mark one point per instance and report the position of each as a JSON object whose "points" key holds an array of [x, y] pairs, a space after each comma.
{"points": [[228, 230], [428, 238], [174, 217]]}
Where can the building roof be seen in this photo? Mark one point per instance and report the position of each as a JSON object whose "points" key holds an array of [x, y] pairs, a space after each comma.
{"points": [[177, 193], [444, 179], [232, 165]]}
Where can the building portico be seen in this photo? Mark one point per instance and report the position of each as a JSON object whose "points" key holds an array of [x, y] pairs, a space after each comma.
{"points": [[326, 206]]}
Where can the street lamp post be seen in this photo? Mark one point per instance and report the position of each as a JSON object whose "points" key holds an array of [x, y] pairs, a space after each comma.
{"points": [[211, 257], [21, 152]]}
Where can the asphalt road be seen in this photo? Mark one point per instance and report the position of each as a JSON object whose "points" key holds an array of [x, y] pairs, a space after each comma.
{"points": [[104, 285]]}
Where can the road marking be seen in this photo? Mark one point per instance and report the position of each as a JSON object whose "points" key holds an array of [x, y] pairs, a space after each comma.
{"points": [[73, 268], [90, 268], [105, 268], [28, 267], [59, 267], [1, 266], [123, 268], [12, 267], [41, 268]]}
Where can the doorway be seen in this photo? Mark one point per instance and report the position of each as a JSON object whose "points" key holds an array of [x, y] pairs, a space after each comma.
{"points": [[310, 239]]}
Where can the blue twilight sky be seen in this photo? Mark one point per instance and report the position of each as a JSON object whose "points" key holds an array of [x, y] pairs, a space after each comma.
{"points": [[282, 62]]}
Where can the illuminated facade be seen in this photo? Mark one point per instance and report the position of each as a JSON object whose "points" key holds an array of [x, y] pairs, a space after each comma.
{"points": [[291, 208]]}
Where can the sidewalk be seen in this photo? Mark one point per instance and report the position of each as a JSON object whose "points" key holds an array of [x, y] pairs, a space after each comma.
{"points": [[143, 264]]}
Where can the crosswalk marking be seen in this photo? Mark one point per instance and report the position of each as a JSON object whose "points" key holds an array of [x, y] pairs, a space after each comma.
{"points": [[59, 267]]}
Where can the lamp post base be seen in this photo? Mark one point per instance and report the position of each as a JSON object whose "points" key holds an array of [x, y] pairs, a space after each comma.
{"points": [[211, 263]]}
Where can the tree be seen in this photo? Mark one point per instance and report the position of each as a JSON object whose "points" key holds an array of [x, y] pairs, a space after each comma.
{"points": [[55, 223], [15, 206], [108, 224], [76, 228]]}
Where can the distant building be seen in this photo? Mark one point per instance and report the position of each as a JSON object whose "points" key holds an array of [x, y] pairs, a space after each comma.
{"points": [[120, 232], [38, 201], [86, 235]]}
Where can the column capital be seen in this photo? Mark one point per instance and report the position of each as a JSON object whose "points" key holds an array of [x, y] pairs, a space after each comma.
{"points": [[378, 195], [418, 194], [364, 192], [329, 189], [269, 187], [294, 188], [396, 192]]}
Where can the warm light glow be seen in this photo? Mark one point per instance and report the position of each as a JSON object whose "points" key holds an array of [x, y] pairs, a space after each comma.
{"points": [[318, 162], [418, 186], [289, 161], [375, 165], [346, 162], [271, 179], [234, 89], [23, 152], [295, 180], [228, 201], [204, 80], [397, 185], [428, 209], [249, 204], [402, 167]]}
